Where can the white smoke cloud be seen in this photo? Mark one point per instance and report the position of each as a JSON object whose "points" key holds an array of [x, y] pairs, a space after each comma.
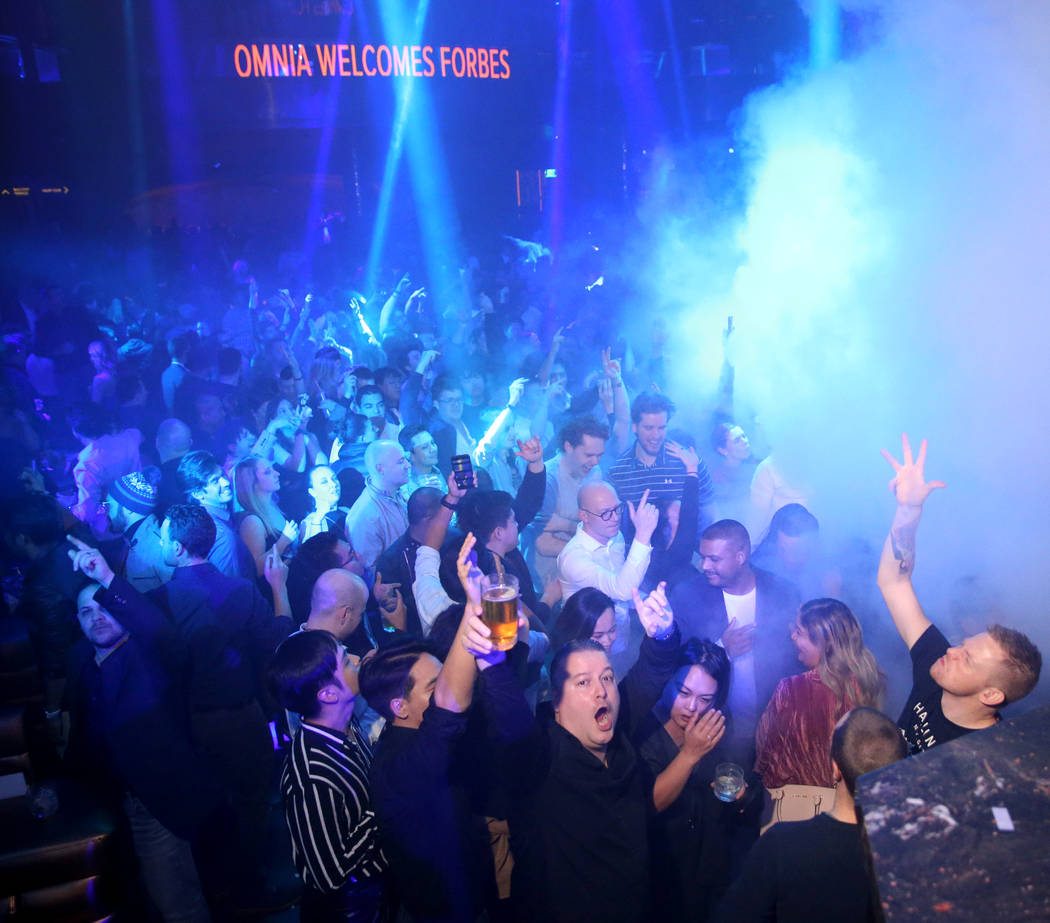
{"points": [[893, 276]]}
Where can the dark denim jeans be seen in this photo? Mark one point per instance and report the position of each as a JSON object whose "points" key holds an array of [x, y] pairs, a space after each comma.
{"points": [[354, 902], [166, 864]]}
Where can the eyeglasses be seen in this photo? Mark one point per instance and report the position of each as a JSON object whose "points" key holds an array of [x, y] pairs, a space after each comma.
{"points": [[450, 400], [606, 515]]}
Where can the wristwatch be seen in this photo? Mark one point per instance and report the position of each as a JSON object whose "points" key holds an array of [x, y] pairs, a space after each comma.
{"points": [[447, 505]]}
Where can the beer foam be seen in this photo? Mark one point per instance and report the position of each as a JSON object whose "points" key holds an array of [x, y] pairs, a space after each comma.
{"points": [[500, 594]]}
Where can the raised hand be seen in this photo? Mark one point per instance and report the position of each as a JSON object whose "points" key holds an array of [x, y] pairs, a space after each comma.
{"points": [[416, 299], [654, 612], [644, 517], [426, 360], [385, 593], [89, 561], [611, 366], [394, 610], [554, 389], [909, 483], [738, 639], [477, 638], [703, 733], [454, 490], [605, 394], [467, 570], [531, 450], [685, 455], [517, 389]]}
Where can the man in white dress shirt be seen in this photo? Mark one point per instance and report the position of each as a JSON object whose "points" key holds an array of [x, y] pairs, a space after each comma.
{"points": [[596, 555]]}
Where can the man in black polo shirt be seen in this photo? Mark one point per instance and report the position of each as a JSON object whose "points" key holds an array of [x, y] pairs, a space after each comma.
{"points": [[652, 463], [955, 689]]}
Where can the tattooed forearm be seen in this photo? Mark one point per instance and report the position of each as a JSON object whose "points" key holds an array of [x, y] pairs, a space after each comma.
{"points": [[902, 537], [902, 540]]}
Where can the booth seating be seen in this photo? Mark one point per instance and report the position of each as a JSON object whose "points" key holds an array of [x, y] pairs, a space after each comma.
{"points": [[64, 867]]}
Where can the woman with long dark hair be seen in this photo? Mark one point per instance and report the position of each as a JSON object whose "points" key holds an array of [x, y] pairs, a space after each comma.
{"points": [[794, 733], [587, 615]]}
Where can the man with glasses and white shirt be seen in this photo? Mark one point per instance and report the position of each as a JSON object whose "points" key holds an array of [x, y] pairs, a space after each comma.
{"points": [[597, 556]]}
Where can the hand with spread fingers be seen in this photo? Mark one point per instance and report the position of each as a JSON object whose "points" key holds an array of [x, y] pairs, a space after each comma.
{"points": [[909, 484]]}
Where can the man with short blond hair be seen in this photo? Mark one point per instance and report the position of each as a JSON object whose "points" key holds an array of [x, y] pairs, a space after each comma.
{"points": [[958, 689]]}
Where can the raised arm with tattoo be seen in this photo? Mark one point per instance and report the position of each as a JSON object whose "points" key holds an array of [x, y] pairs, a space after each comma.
{"points": [[911, 489]]}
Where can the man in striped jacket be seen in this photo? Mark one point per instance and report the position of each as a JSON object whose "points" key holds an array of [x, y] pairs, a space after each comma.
{"points": [[324, 785]]}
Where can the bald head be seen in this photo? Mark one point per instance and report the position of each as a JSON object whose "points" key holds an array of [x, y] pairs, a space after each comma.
{"points": [[386, 464], [594, 500], [337, 603], [173, 439], [597, 495]]}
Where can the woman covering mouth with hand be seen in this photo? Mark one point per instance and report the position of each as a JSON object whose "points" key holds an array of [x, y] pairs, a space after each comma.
{"points": [[682, 745]]}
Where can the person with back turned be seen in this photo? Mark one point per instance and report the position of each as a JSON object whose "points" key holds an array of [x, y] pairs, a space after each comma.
{"points": [[955, 689], [820, 869]]}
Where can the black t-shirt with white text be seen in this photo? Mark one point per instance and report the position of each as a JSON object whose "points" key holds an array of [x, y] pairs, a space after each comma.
{"points": [[922, 722]]}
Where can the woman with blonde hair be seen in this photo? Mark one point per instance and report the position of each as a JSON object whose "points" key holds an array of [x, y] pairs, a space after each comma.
{"points": [[260, 522], [794, 734]]}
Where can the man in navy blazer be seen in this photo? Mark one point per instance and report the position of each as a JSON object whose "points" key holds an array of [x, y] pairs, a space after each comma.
{"points": [[749, 612]]}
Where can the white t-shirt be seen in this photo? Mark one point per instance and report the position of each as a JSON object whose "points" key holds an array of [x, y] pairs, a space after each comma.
{"points": [[742, 694]]}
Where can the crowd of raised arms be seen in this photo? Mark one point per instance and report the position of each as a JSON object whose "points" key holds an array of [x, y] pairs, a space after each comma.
{"points": [[253, 582]]}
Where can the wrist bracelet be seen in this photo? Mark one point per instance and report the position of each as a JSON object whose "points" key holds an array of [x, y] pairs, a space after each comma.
{"points": [[447, 505], [665, 636]]}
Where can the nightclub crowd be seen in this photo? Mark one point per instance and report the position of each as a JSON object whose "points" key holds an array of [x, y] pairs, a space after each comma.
{"points": [[248, 525]]}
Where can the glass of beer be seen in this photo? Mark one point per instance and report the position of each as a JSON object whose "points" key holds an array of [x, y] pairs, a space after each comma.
{"points": [[499, 604]]}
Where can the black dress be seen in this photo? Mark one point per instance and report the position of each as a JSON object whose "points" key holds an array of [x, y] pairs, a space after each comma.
{"points": [[692, 841]]}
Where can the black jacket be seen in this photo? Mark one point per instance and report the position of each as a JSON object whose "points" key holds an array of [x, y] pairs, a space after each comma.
{"points": [[700, 610], [225, 631], [578, 827], [128, 730]]}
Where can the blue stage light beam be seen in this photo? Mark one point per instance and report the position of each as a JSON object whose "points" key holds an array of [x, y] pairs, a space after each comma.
{"points": [[403, 89], [560, 134], [426, 163], [824, 33], [180, 120], [643, 115], [676, 63], [138, 138], [324, 155]]}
